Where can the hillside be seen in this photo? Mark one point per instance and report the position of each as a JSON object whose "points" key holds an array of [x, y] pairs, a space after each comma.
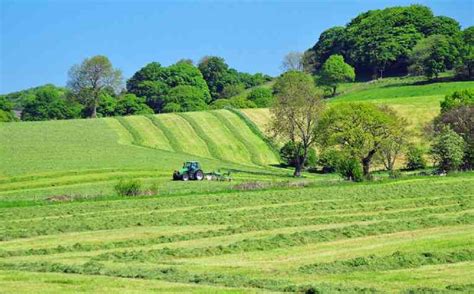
{"points": [[92, 154], [413, 98]]}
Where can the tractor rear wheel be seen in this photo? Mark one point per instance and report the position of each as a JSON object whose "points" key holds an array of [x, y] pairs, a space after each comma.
{"points": [[185, 177], [199, 175]]}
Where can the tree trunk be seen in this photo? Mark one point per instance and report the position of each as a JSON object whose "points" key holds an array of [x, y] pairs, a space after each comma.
{"points": [[298, 169], [366, 162], [94, 111], [333, 91]]}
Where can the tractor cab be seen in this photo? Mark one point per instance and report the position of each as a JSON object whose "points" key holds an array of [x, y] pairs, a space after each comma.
{"points": [[191, 170]]}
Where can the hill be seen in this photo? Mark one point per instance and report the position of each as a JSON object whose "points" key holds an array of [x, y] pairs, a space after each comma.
{"points": [[415, 99], [90, 155]]}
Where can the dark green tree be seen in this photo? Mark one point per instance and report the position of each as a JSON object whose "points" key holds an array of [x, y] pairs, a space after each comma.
{"points": [[262, 97], [433, 55], [6, 110], [47, 104], [189, 98], [129, 104]]}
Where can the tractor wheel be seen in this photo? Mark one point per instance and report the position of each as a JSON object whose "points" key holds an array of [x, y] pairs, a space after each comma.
{"points": [[185, 177], [199, 175]]}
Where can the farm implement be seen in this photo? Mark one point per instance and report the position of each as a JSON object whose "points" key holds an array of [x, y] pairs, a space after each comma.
{"points": [[192, 170]]}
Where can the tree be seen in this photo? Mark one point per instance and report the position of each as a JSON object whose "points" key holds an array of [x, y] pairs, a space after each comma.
{"points": [[360, 130], [289, 154], [392, 148], [155, 83], [262, 97], [48, 103], [461, 120], [336, 71], [378, 42], [448, 150], [457, 99], [414, 158], [213, 70], [189, 98], [6, 110], [292, 61], [129, 104], [91, 77], [466, 67], [296, 112], [231, 90], [433, 55]]}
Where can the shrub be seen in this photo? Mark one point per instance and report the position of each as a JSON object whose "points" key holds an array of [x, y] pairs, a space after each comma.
{"points": [[414, 158], [456, 99], [448, 150], [329, 160], [350, 169], [394, 174], [262, 97], [128, 188], [289, 151]]}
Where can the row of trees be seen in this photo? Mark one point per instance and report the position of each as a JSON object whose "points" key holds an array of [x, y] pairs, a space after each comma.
{"points": [[95, 88], [352, 136], [394, 41]]}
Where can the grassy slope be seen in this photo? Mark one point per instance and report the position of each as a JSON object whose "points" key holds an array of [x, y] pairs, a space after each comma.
{"points": [[89, 156], [413, 98], [417, 233]]}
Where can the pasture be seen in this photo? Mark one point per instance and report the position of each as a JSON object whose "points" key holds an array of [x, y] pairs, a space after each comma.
{"points": [[411, 234]]}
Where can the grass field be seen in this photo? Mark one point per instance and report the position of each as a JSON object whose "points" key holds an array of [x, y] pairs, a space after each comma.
{"points": [[415, 233], [64, 229]]}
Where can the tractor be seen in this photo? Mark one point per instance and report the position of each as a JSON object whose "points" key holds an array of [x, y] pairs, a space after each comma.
{"points": [[191, 170]]}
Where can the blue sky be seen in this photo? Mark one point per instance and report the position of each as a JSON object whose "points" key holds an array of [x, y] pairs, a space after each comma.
{"points": [[41, 40]]}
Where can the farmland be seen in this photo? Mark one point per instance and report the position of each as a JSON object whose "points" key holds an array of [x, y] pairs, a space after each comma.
{"points": [[64, 229], [415, 233]]}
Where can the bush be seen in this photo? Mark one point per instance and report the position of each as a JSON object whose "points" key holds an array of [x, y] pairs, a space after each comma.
{"points": [[262, 97], [448, 150], [128, 188], [394, 174], [414, 158], [350, 169], [456, 99], [329, 160], [288, 154]]}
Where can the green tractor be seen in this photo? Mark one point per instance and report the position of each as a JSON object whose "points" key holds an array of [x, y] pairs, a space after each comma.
{"points": [[191, 170]]}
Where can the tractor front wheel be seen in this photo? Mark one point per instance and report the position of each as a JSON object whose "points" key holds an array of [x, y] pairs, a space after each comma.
{"points": [[199, 175], [185, 177]]}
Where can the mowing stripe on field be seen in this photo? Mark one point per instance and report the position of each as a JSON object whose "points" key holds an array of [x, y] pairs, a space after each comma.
{"points": [[187, 138], [174, 142], [137, 138], [150, 134], [254, 155], [211, 145]]}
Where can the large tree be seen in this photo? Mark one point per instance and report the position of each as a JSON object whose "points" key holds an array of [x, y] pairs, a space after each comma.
{"points": [[336, 71], [88, 79], [434, 55], [378, 42], [6, 110], [48, 103], [292, 61], [360, 130], [295, 113]]}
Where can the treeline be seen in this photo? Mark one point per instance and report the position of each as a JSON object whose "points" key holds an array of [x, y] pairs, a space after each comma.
{"points": [[96, 89], [397, 41], [351, 137]]}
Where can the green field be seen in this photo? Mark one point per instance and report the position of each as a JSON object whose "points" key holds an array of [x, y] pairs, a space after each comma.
{"points": [[394, 235], [64, 229]]}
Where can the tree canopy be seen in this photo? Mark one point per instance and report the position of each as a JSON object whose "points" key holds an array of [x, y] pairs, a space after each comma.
{"points": [[380, 41], [336, 71]]}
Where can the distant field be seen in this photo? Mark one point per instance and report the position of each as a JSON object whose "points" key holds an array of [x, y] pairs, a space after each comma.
{"points": [[412, 234], [88, 157], [412, 98]]}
